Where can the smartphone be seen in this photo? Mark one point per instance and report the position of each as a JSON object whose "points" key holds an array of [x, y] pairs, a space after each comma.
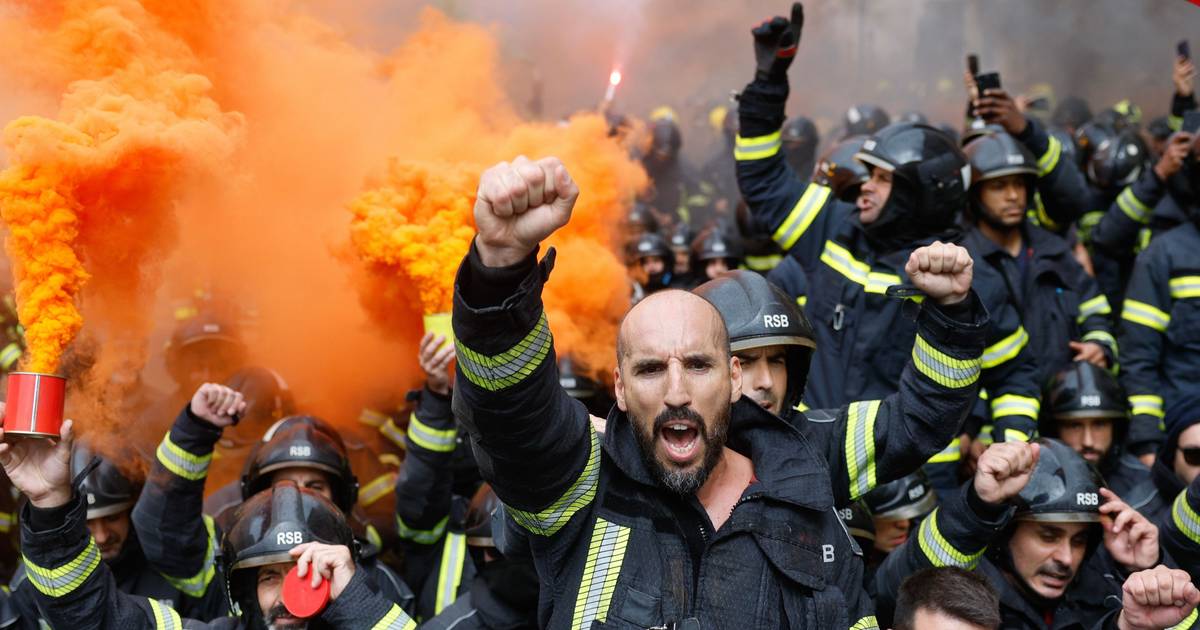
{"points": [[987, 81], [1183, 49], [973, 64], [1191, 121]]}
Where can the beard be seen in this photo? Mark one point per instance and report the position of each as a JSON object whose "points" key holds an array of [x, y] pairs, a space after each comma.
{"points": [[688, 480], [271, 617]]}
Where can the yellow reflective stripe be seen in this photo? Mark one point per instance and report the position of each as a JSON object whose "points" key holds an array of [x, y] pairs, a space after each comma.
{"points": [[763, 263], [1186, 518], [801, 300], [860, 446], [197, 585], [1174, 122], [1013, 435], [1147, 405], [985, 434], [377, 488], [939, 551], [1102, 336], [9, 355], [866, 623], [62, 581], [1016, 405], [842, 261], [6, 521], [581, 493], [942, 368], [1185, 287], [1133, 207], [802, 215], [1049, 159], [180, 462], [421, 536], [429, 438], [1005, 349], [1146, 315], [606, 553], [801, 407], [497, 372], [454, 554], [372, 418], [373, 536], [1042, 217], [165, 617], [1188, 621], [1096, 306], [393, 433], [951, 453], [758, 147], [395, 619]]}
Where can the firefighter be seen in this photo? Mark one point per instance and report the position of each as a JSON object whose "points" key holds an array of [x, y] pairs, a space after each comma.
{"points": [[896, 508], [664, 460], [1180, 532], [719, 170], [282, 527], [853, 255], [800, 139], [181, 542], [504, 592], [109, 497], [677, 193], [654, 264], [1086, 408], [1177, 463], [1028, 522], [680, 241], [715, 251], [1061, 306], [863, 119]]}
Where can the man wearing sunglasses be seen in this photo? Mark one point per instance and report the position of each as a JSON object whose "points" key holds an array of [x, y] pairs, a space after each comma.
{"points": [[1178, 460]]}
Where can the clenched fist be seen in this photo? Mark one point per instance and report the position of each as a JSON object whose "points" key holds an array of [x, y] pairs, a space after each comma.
{"points": [[217, 404], [1004, 469], [1156, 598], [942, 271], [518, 205]]}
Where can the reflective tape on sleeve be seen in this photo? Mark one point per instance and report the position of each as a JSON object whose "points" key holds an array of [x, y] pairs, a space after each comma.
{"points": [[429, 438], [180, 462], [1146, 405], [938, 550], [504, 370], [860, 446], [63, 580], [582, 492], [1096, 306], [395, 619], [802, 215], [942, 368], [1006, 349], [758, 147], [1145, 315], [1049, 159], [1015, 405], [606, 554]]}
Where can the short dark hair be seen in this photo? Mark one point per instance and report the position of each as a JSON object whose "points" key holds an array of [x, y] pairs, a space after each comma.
{"points": [[952, 591]]}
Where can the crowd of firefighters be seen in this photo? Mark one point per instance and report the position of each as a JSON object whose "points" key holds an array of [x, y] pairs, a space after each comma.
{"points": [[1020, 451]]}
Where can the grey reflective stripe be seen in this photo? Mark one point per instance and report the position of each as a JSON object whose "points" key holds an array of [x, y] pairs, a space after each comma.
{"points": [[439, 440], [606, 554], [860, 452], [579, 495], [165, 617], [1012, 406], [450, 574], [1186, 518], [938, 550], [510, 367], [61, 581], [950, 372], [179, 461], [421, 536]]}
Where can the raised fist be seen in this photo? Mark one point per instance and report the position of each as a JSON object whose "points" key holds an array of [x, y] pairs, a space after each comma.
{"points": [[1156, 598], [518, 205], [1004, 469], [942, 271], [217, 404]]}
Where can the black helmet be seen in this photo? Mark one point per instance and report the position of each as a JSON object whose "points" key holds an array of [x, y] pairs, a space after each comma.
{"points": [[665, 136], [1117, 162], [106, 489], [1122, 116], [930, 174], [857, 519], [912, 116], [301, 442], [205, 332], [714, 243], [1088, 137], [479, 517], [640, 220], [997, 154], [1084, 390], [680, 238], [1064, 488], [838, 169], [908, 497], [1072, 112], [268, 397], [653, 244], [1160, 128], [864, 120], [266, 528], [759, 314], [800, 140]]}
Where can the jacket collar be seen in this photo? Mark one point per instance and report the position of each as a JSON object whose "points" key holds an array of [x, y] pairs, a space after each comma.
{"points": [[788, 469]]}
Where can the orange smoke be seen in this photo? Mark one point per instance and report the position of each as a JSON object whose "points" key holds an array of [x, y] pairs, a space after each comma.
{"points": [[89, 192]]}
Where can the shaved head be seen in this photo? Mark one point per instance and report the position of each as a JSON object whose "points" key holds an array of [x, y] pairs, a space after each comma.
{"points": [[676, 381], [669, 308]]}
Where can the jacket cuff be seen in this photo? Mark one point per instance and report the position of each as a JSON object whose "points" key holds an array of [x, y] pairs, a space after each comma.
{"points": [[1181, 104], [1034, 137], [357, 604], [51, 535], [761, 108], [495, 307], [434, 410], [985, 512], [962, 324], [194, 434]]}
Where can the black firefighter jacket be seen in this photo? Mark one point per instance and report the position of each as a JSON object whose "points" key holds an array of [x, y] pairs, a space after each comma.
{"points": [[864, 337], [613, 549]]}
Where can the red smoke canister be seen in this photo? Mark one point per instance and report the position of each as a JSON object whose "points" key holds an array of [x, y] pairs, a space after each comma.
{"points": [[300, 598], [35, 405]]}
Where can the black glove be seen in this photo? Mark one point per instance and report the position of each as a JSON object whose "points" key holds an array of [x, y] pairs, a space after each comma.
{"points": [[775, 43]]}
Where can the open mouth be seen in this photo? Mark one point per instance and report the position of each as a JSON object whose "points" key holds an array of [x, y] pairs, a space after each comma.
{"points": [[680, 439], [1055, 582]]}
